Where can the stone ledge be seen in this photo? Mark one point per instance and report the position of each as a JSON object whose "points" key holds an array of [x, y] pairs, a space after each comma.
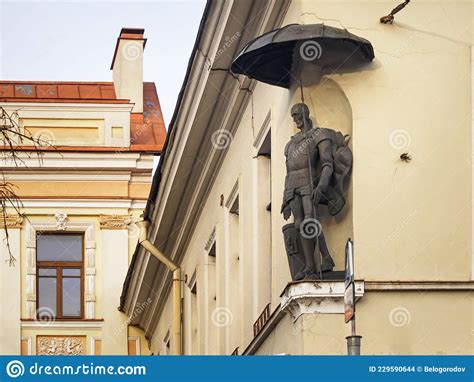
{"points": [[321, 296]]}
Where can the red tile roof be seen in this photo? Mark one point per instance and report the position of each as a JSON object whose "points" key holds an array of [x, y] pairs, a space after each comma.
{"points": [[147, 129]]}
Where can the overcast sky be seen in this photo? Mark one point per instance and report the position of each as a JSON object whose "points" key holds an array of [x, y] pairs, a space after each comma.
{"points": [[75, 41]]}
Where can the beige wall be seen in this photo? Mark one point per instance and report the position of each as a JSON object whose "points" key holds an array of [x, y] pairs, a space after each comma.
{"points": [[389, 323], [10, 287], [113, 272]]}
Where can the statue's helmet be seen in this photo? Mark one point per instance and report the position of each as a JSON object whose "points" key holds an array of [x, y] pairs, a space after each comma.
{"points": [[300, 108]]}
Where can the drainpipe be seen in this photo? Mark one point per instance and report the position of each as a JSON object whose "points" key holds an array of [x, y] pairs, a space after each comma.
{"points": [[148, 245]]}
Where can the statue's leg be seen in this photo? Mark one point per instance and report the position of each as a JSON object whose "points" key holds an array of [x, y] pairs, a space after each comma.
{"points": [[328, 262], [311, 213], [297, 210]]}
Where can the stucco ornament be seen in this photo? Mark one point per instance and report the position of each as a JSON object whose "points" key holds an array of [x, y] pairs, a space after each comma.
{"points": [[11, 221], [318, 164], [60, 345], [115, 221], [61, 221]]}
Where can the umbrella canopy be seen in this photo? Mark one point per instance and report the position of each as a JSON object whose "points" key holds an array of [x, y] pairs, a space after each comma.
{"points": [[271, 57]]}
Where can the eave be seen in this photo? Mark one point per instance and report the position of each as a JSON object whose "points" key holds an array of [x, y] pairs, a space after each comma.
{"points": [[182, 183]]}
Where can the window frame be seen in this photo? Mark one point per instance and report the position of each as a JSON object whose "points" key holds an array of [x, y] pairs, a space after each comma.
{"points": [[59, 266]]}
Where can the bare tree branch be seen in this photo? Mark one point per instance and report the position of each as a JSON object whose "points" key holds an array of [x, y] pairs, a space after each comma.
{"points": [[13, 139]]}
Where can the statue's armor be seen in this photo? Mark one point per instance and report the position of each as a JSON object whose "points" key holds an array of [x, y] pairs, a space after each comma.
{"points": [[297, 164]]}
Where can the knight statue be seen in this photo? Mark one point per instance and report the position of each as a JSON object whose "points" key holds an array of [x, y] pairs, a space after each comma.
{"points": [[318, 165]]}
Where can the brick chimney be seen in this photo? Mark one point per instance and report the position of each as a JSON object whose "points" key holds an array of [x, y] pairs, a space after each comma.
{"points": [[127, 66]]}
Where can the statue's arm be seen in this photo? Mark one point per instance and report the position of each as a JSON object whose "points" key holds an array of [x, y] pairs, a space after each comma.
{"points": [[327, 166]]}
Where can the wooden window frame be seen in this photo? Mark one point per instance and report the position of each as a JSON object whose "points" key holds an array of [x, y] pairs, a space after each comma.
{"points": [[59, 266]]}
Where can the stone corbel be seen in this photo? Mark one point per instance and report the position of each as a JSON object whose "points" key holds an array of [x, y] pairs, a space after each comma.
{"points": [[320, 297], [115, 221]]}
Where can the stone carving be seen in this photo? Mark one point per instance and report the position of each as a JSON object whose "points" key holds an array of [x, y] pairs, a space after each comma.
{"points": [[67, 345], [318, 163], [61, 220], [115, 221], [11, 221]]}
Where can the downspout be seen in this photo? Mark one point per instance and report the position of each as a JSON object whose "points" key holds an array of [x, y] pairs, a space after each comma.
{"points": [[149, 246]]}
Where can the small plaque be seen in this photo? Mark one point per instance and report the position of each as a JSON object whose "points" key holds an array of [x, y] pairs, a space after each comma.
{"points": [[349, 302]]}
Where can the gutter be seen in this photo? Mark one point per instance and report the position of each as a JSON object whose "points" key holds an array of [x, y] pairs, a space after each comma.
{"points": [[148, 245]]}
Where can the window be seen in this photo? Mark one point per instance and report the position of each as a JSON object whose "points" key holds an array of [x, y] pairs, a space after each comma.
{"points": [[59, 264]]}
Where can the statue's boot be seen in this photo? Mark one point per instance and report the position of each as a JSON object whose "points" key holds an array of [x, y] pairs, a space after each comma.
{"points": [[310, 267], [328, 262], [307, 274], [300, 276]]}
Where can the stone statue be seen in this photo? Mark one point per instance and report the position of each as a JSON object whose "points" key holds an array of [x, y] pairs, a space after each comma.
{"points": [[318, 165]]}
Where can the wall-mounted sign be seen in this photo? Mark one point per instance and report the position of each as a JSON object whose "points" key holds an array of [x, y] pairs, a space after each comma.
{"points": [[349, 293], [349, 302]]}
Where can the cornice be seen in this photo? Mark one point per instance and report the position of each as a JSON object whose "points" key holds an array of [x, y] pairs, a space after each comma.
{"points": [[68, 107]]}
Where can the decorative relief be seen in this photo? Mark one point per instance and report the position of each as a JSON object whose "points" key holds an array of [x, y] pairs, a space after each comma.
{"points": [[115, 221], [11, 221], [64, 345], [61, 220]]}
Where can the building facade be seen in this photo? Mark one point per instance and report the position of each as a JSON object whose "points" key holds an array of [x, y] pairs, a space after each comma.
{"points": [[80, 193], [215, 204]]}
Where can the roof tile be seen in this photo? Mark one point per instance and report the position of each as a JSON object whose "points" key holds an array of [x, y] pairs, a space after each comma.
{"points": [[47, 91], [90, 91], [147, 129], [68, 91]]}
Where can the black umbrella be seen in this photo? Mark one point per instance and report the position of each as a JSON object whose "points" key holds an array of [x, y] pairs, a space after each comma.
{"points": [[271, 57]]}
